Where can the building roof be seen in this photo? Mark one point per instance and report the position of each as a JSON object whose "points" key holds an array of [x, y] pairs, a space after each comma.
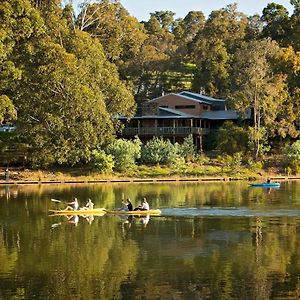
{"points": [[220, 103], [204, 99], [164, 111], [223, 115]]}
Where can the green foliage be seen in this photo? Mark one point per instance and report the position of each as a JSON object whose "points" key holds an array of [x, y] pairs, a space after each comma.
{"points": [[178, 165], [67, 95], [210, 141], [255, 86], [187, 149], [258, 135], [232, 138], [292, 156], [124, 152], [159, 151], [61, 73], [201, 159], [232, 163], [255, 166], [102, 162], [7, 110]]}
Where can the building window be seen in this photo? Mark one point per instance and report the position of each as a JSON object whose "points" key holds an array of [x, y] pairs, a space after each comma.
{"points": [[164, 106], [184, 106], [205, 107]]}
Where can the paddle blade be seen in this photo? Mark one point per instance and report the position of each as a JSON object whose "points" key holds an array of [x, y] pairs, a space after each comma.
{"points": [[55, 200]]}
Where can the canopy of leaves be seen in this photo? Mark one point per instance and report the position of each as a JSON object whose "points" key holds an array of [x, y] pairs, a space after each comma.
{"points": [[67, 94]]}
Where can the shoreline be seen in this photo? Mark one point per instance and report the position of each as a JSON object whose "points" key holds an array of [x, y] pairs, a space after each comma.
{"points": [[144, 180]]}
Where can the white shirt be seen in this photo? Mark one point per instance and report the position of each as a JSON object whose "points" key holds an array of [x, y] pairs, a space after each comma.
{"points": [[145, 206]]}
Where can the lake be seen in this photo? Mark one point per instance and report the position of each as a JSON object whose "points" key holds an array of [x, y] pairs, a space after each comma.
{"points": [[221, 240]]}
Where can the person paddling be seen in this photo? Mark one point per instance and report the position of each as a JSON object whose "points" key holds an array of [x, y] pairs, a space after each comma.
{"points": [[144, 205], [89, 205], [74, 205], [128, 204]]}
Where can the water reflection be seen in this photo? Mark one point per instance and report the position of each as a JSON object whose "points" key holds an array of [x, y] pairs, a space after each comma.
{"points": [[212, 241]]}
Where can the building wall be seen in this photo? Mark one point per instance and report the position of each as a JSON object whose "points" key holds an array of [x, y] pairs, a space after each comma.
{"points": [[177, 102]]}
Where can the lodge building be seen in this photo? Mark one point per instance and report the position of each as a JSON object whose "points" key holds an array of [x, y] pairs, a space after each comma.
{"points": [[175, 116]]}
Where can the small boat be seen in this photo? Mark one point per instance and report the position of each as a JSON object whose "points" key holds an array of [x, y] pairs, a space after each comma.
{"points": [[154, 212], [95, 211], [266, 184]]}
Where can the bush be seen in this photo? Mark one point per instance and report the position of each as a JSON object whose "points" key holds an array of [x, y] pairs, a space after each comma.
{"points": [[178, 165], [201, 159], [234, 162], [187, 149], [291, 154], [254, 165], [158, 151], [124, 152], [102, 162], [232, 138]]}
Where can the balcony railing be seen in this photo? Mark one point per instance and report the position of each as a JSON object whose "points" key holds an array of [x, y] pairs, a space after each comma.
{"points": [[179, 131]]}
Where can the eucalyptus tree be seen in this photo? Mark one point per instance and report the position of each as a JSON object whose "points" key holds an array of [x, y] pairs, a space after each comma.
{"points": [[256, 87], [212, 47], [75, 96], [120, 34], [65, 91], [276, 23], [254, 28], [212, 74], [20, 24], [227, 24], [288, 64], [294, 26]]}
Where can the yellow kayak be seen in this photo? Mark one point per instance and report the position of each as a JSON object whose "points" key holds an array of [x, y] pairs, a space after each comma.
{"points": [[95, 211], [135, 212]]}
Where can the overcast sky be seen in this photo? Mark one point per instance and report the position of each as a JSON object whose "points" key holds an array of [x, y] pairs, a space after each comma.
{"points": [[141, 8]]}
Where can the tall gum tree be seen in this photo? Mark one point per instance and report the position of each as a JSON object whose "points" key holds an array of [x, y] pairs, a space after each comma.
{"points": [[68, 95], [255, 86]]}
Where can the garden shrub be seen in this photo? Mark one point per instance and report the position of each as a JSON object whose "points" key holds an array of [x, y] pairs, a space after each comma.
{"points": [[187, 149], [159, 151], [102, 162], [124, 152]]}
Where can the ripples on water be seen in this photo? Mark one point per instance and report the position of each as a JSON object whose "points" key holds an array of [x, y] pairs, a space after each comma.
{"points": [[228, 212]]}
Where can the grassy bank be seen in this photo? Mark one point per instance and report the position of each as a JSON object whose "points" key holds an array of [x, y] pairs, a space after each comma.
{"points": [[213, 169]]}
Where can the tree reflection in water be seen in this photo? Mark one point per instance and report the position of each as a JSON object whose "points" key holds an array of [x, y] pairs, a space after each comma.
{"points": [[186, 257]]}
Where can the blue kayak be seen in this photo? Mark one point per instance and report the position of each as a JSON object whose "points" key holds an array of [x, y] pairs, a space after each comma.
{"points": [[266, 184]]}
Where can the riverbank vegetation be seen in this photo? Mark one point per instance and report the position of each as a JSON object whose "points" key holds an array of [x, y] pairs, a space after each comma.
{"points": [[124, 159], [65, 77]]}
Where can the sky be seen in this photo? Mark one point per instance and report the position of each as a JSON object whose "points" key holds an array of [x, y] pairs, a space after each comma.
{"points": [[141, 9]]}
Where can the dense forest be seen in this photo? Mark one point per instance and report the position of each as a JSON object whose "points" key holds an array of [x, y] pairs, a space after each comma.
{"points": [[65, 77]]}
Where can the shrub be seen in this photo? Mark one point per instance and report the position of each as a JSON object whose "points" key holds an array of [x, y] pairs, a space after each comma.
{"points": [[254, 165], [124, 152], [102, 162], [159, 151], [187, 149], [234, 162], [292, 154], [201, 159], [232, 138], [178, 165]]}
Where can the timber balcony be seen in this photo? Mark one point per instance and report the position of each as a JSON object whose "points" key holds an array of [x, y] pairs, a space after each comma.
{"points": [[163, 131]]}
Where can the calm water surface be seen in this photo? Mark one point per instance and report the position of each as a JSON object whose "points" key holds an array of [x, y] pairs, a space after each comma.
{"points": [[212, 241]]}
